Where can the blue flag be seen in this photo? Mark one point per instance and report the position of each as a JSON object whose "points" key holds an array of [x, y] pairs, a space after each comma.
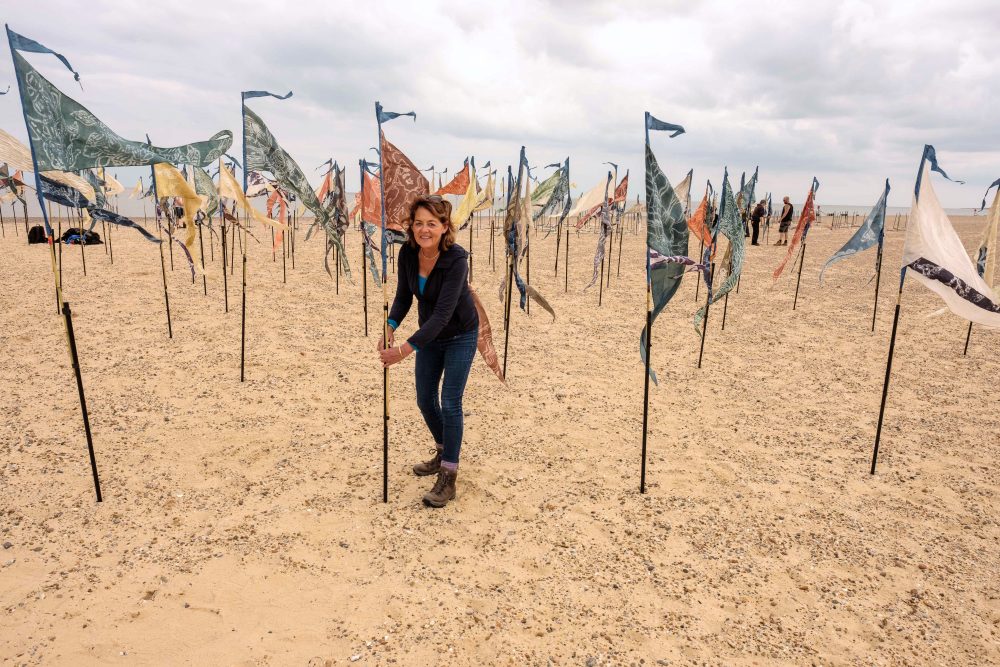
{"points": [[869, 234]]}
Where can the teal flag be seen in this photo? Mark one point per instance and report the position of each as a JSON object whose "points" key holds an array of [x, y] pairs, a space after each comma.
{"points": [[730, 226], [666, 236], [204, 186], [263, 153], [65, 136]]}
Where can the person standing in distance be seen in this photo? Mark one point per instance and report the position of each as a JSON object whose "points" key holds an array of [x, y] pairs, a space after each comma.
{"points": [[758, 214], [435, 269], [785, 221]]}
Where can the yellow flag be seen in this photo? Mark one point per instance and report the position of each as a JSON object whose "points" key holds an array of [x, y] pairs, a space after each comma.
{"points": [[228, 187], [486, 196], [171, 183], [111, 185], [468, 204]]}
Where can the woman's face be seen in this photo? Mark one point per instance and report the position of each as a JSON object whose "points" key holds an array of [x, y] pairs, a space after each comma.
{"points": [[427, 230]]}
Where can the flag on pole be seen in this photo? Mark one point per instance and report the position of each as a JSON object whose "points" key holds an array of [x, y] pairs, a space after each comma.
{"points": [[986, 256], [683, 191], [559, 197], [869, 234], [230, 189], [666, 241], [403, 183], [264, 153], [171, 183], [206, 189], [806, 218], [66, 136], [462, 214], [937, 258], [602, 234], [487, 194], [459, 184], [731, 226], [697, 222]]}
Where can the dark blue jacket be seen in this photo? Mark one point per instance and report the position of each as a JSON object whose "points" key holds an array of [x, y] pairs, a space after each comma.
{"points": [[446, 308]]}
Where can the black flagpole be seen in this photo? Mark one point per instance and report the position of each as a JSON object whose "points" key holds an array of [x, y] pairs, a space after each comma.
{"points": [[802, 260], [166, 297], [704, 324], [243, 316], [506, 321], [566, 268], [878, 279], [725, 304], [968, 335], [364, 277], [645, 392], [201, 243], [68, 315], [888, 371], [225, 274]]}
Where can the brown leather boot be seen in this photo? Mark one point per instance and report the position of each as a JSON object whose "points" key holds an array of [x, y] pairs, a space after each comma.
{"points": [[429, 467], [444, 489]]}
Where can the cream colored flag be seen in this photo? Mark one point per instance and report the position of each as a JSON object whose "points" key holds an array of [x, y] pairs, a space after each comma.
{"points": [[591, 198], [228, 187], [18, 156], [111, 185], [936, 257]]}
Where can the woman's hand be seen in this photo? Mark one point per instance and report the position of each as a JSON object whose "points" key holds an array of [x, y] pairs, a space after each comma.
{"points": [[394, 355], [392, 340]]}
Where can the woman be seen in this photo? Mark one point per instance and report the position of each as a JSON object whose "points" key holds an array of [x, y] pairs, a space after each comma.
{"points": [[435, 269]]}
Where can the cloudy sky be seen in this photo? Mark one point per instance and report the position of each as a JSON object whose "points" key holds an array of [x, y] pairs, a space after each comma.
{"points": [[847, 91]]}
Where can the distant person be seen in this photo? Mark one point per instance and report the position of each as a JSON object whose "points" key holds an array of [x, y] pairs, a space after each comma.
{"points": [[435, 269], [758, 214], [785, 221]]}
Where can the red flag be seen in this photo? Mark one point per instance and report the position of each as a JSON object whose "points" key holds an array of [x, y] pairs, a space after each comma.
{"points": [[621, 192], [807, 218], [276, 198], [371, 201], [457, 185], [403, 183]]}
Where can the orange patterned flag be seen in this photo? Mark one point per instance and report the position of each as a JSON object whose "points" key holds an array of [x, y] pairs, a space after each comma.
{"points": [[696, 223], [807, 218], [403, 184], [457, 185], [621, 192], [371, 201]]}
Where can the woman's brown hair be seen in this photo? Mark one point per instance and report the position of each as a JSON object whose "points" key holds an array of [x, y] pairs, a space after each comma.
{"points": [[440, 208]]}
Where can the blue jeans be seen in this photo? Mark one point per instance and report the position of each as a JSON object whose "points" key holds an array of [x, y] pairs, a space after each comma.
{"points": [[451, 357]]}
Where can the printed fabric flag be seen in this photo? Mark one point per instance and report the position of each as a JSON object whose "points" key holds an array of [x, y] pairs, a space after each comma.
{"points": [[230, 189], [590, 203], [206, 189], [457, 185], [666, 235], [559, 198], [621, 192], [403, 183], [806, 218], [59, 193], [263, 153], [986, 256], [683, 191], [462, 214], [869, 234], [18, 156], [484, 340], [541, 195], [486, 196], [516, 217], [171, 183], [937, 258], [730, 226], [67, 137], [696, 223], [602, 233]]}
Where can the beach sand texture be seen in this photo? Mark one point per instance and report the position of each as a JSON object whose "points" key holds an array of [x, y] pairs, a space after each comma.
{"points": [[243, 523]]}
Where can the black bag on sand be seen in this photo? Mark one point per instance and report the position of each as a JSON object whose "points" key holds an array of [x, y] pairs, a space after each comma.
{"points": [[72, 236], [36, 234]]}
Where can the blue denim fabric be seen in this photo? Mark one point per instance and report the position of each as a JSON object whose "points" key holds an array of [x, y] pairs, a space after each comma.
{"points": [[452, 358]]}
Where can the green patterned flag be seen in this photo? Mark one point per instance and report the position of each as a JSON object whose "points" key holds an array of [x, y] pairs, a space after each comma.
{"points": [[731, 226], [667, 238], [204, 186], [65, 136], [263, 153]]}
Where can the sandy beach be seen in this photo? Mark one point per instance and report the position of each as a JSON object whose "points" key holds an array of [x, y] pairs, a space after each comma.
{"points": [[242, 524]]}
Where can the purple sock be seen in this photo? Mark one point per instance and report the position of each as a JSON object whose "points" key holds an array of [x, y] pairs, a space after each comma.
{"points": [[450, 467]]}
